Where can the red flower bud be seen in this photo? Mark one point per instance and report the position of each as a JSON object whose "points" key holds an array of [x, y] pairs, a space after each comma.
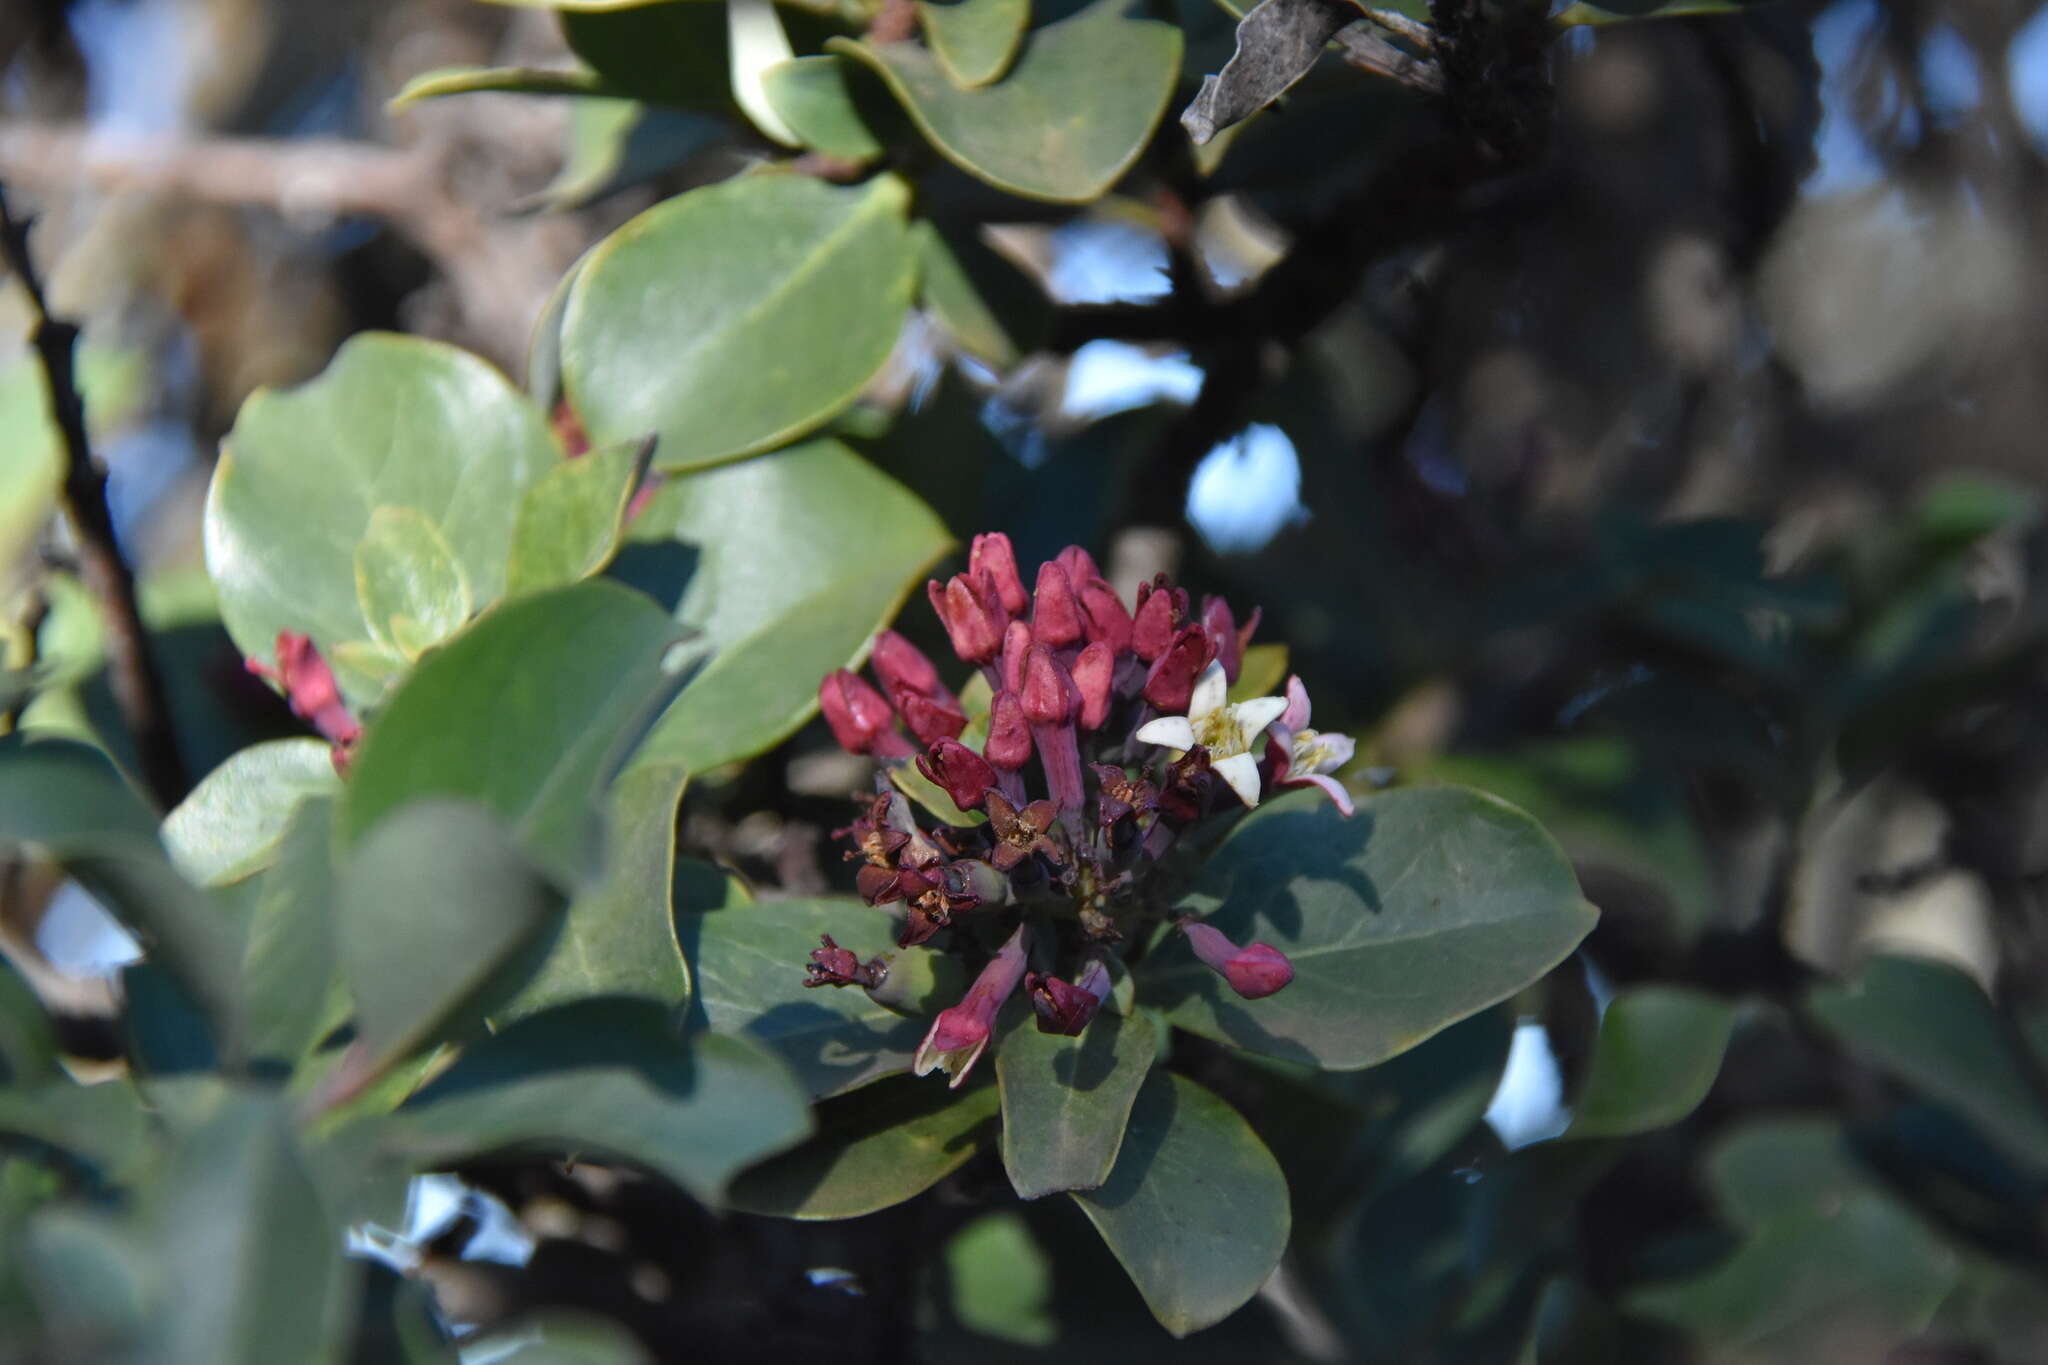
{"points": [[931, 719], [1158, 617], [1104, 613], [309, 686], [1171, 683], [1056, 613], [1016, 644], [1093, 672], [964, 774], [1048, 695], [992, 555], [972, 611], [902, 666], [1254, 971], [1078, 563], [1221, 628], [860, 719], [1009, 734], [1066, 1008]]}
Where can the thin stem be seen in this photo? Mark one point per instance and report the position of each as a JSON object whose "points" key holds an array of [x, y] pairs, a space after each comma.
{"points": [[131, 665]]}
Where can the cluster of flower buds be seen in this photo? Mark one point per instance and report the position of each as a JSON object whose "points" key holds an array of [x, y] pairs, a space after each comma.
{"points": [[310, 689], [1108, 733]]}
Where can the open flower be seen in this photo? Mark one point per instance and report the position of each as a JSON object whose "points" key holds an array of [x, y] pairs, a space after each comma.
{"points": [[959, 1034], [1227, 730], [1303, 757]]}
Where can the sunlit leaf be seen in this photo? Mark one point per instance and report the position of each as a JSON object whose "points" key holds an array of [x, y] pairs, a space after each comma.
{"points": [[974, 40], [231, 823], [1066, 1100]]}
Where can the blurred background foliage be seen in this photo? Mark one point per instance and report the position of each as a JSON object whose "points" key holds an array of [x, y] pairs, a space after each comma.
{"points": [[1676, 473]]}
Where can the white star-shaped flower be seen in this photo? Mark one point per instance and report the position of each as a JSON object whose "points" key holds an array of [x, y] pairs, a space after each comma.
{"points": [[1228, 730]]}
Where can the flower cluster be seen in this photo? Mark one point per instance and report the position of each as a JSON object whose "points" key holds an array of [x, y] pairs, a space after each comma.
{"points": [[1108, 734]]}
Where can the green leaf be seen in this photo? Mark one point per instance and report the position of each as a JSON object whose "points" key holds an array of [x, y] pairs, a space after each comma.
{"points": [[571, 520], [1067, 121], [873, 1149], [615, 144], [619, 937], [1659, 1051], [251, 1264], [1002, 1282], [229, 827], [755, 41], [736, 317], [672, 54], [1066, 1100], [437, 905], [90, 1275], [408, 583], [1428, 905], [566, 1339], [399, 423], [290, 975], [1262, 674], [28, 1041], [1583, 14], [1932, 1026], [797, 559], [66, 800], [945, 289], [610, 1078], [974, 40], [515, 80], [1769, 1167], [529, 713], [811, 96], [102, 1124], [1196, 1209], [749, 962]]}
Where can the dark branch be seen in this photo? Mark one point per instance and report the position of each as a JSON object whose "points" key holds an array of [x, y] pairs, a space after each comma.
{"points": [[131, 666]]}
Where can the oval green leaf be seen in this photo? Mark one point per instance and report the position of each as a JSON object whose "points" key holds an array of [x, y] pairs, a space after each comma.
{"points": [[785, 566], [1659, 1051], [229, 827], [529, 713], [811, 97], [873, 1150], [1428, 905], [748, 962], [610, 1078], [570, 521], [408, 583], [1067, 121], [974, 40], [393, 422], [1196, 1209], [1066, 1101], [735, 318]]}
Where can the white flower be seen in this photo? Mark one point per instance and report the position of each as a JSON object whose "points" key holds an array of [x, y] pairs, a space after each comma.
{"points": [[1311, 754], [1228, 730]]}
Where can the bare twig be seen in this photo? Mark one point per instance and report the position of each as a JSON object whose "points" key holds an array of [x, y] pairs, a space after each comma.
{"points": [[131, 666], [1369, 52]]}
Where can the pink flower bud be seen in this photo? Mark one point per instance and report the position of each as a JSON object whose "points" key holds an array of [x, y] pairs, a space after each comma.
{"points": [[965, 774], [1009, 733], [1048, 694], [959, 1035], [860, 719], [1221, 628], [1056, 613], [902, 666], [1016, 645], [931, 719], [1104, 613], [1078, 563], [1171, 683], [1093, 672], [992, 555], [1158, 618], [1254, 972], [972, 611], [309, 687]]}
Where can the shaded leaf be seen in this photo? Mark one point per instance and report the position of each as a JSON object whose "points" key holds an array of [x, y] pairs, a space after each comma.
{"points": [[748, 963], [615, 144], [1066, 1100], [610, 1078], [393, 422], [528, 713], [1428, 905], [673, 54], [229, 827], [1067, 121], [811, 97], [873, 1149], [103, 1125], [1196, 1209], [789, 564], [571, 519], [436, 905], [1933, 1027], [945, 288], [290, 971], [974, 40], [1001, 1280], [1659, 1051], [619, 936], [1277, 43], [736, 317]]}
